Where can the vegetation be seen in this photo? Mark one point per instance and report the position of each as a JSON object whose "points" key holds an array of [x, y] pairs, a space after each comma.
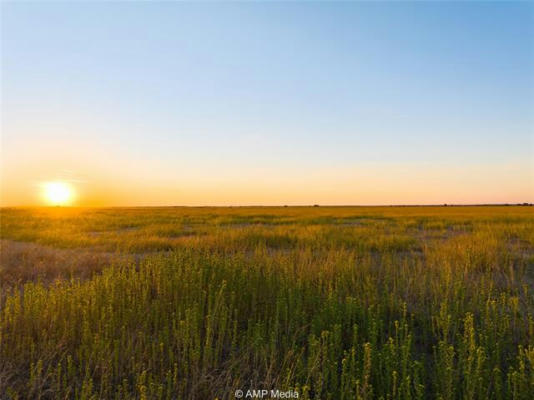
{"points": [[331, 302]]}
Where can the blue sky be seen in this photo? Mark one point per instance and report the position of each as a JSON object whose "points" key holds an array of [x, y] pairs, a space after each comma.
{"points": [[201, 97]]}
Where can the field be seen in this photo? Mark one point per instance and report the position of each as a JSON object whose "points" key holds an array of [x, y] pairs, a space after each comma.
{"points": [[327, 302]]}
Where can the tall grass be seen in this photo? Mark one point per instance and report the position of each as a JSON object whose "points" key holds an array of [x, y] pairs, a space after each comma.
{"points": [[389, 304]]}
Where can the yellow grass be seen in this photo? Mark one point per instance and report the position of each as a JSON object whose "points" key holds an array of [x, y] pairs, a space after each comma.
{"points": [[330, 302]]}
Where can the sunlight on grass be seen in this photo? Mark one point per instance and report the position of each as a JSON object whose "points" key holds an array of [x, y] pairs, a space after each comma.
{"points": [[337, 303]]}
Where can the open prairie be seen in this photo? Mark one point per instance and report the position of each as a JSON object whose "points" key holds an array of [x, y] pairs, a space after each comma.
{"points": [[326, 302]]}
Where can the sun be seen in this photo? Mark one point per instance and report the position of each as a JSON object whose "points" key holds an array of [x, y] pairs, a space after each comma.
{"points": [[58, 193]]}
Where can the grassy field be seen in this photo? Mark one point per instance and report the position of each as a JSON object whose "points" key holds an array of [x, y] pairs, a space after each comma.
{"points": [[330, 302]]}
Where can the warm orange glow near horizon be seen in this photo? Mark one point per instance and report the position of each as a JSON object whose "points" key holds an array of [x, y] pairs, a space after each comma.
{"points": [[58, 193], [94, 178]]}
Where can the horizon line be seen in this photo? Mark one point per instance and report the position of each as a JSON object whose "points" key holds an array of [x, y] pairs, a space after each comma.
{"points": [[522, 204]]}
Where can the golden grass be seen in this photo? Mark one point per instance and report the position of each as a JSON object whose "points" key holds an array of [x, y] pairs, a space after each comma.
{"points": [[333, 302]]}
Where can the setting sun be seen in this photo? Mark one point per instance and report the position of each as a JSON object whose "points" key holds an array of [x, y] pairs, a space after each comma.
{"points": [[58, 193]]}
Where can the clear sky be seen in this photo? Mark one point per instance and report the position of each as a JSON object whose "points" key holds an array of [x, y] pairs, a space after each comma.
{"points": [[268, 103]]}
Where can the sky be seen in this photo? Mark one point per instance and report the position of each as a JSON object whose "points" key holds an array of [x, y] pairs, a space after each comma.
{"points": [[143, 103]]}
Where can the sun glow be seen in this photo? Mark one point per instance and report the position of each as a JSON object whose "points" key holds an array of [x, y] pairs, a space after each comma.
{"points": [[58, 193]]}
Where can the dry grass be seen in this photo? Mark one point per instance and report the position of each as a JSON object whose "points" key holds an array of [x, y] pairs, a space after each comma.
{"points": [[22, 262], [334, 302]]}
